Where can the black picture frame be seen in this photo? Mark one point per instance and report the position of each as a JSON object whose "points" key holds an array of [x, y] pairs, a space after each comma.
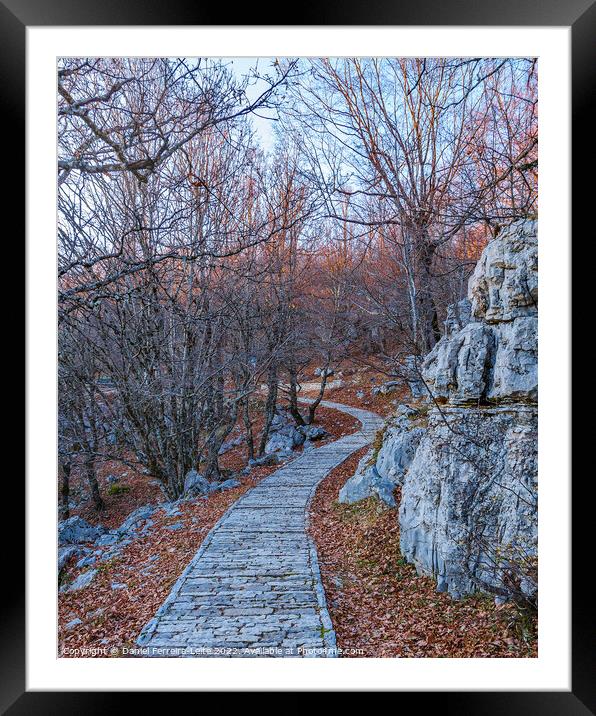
{"points": [[580, 15]]}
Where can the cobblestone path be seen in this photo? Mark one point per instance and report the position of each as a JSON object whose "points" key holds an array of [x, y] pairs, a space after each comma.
{"points": [[254, 588]]}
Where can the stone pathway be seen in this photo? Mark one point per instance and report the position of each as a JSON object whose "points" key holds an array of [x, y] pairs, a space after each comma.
{"points": [[254, 588]]}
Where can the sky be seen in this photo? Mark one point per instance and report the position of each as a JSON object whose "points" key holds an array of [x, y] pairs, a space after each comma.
{"points": [[241, 67]]}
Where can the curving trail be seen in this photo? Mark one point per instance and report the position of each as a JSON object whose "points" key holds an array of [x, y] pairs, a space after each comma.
{"points": [[254, 588]]}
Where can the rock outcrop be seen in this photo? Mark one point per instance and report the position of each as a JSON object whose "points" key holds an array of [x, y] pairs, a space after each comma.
{"points": [[467, 458], [284, 436], [468, 513], [468, 509], [383, 469], [76, 530], [195, 485], [493, 357]]}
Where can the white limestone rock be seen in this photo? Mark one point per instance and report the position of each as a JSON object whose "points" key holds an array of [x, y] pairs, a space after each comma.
{"points": [[76, 530], [387, 388], [504, 284], [494, 357], [71, 550], [457, 368], [83, 580], [359, 486], [365, 483], [514, 371], [380, 474], [458, 315], [284, 436], [313, 432], [138, 519], [471, 495], [468, 509], [400, 441], [195, 484]]}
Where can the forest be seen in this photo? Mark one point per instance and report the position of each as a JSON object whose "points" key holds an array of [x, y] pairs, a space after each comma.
{"points": [[237, 248]]}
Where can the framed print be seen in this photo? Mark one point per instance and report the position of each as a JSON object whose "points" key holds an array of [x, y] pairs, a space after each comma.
{"points": [[284, 350]]}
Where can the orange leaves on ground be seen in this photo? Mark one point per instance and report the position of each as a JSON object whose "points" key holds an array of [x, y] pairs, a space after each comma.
{"points": [[379, 604], [146, 569]]}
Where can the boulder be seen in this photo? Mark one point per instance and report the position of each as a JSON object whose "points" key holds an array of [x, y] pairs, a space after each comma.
{"points": [[137, 520], [284, 436], [109, 538], [379, 474], [383, 489], [86, 561], [391, 386], [172, 509], [83, 580], [359, 486], [65, 554], [313, 432], [229, 444], [115, 552], [228, 484], [367, 483], [400, 441], [76, 530], [284, 440], [196, 485], [279, 443], [175, 527], [280, 420], [292, 432], [265, 460]]}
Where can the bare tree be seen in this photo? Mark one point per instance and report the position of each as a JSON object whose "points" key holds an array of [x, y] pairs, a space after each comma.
{"points": [[396, 137]]}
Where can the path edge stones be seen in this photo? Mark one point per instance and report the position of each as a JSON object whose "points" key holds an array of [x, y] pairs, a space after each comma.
{"points": [[328, 635]]}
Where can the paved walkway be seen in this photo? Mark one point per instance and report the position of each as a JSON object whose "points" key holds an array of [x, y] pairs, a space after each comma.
{"points": [[254, 587]]}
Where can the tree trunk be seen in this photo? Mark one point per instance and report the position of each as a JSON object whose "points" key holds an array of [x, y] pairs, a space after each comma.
{"points": [[429, 331], [269, 406], [89, 467], [293, 395], [64, 470], [250, 441], [212, 471], [315, 404], [224, 424]]}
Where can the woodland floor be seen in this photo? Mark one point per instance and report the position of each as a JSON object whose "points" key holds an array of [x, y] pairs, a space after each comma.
{"points": [[152, 563], [378, 603]]}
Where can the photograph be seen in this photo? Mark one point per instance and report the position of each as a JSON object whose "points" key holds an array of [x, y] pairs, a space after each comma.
{"points": [[297, 373]]}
